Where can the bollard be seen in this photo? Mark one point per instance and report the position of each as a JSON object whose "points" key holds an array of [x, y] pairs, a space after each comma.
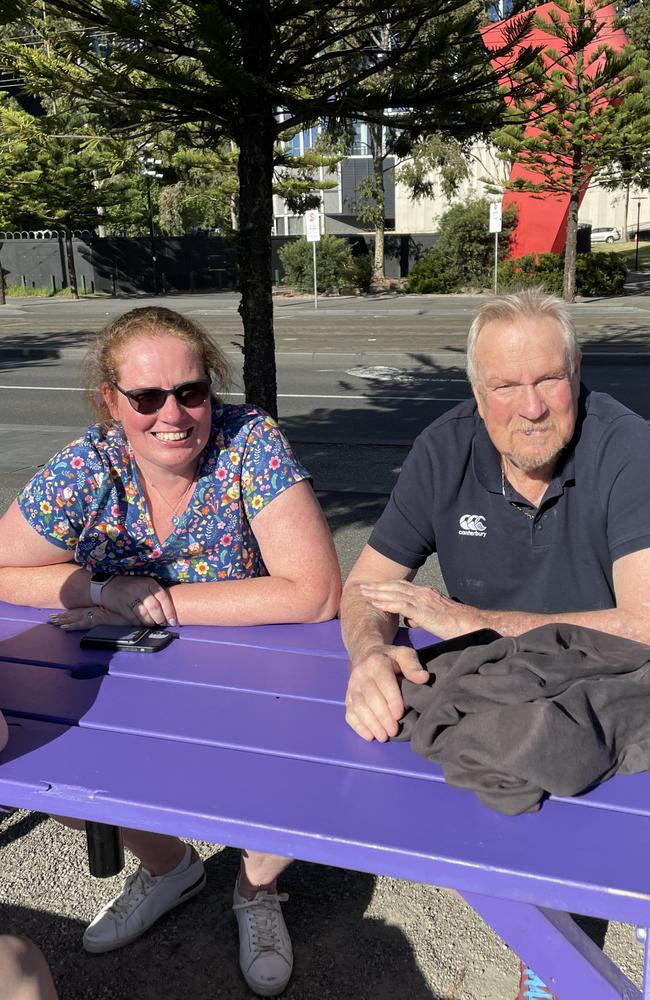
{"points": [[277, 276], [92, 286], [83, 284], [105, 849], [52, 284], [23, 280]]}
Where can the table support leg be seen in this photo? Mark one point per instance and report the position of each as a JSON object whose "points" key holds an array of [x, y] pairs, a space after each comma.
{"points": [[646, 964], [561, 954], [105, 849]]}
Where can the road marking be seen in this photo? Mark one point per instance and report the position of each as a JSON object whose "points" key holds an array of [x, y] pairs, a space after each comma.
{"points": [[281, 395], [409, 398], [45, 388]]}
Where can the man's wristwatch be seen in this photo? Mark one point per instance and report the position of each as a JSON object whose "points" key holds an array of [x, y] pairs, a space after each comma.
{"points": [[97, 583]]}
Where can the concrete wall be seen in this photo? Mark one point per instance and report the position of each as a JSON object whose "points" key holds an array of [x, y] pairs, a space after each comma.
{"points": [[599, 207]]}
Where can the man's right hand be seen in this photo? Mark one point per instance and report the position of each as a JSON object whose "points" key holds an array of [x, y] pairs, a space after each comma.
{"points": [[373, 701]]}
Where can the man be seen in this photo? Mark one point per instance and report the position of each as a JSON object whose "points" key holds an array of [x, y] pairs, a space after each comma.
{"points": [[536, 497]]}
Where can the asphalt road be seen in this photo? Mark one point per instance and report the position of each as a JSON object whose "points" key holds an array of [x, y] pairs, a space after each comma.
{"points": [[357, 379]]}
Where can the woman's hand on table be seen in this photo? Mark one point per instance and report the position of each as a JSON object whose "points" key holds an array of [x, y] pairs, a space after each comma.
{"points": [[85, 618], [139, 600]]}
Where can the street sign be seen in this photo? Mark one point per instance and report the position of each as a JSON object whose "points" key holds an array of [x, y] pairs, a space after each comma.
{"points": [[312, 225], [495, 217]]}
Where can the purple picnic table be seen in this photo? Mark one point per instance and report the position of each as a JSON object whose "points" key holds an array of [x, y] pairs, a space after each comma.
{"points": [[237, 736]]}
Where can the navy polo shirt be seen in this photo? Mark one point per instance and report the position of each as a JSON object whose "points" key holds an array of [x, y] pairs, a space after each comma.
{"points": [[448, 499]]}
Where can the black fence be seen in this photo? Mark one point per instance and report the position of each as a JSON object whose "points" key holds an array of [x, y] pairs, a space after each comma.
{"points": [[126, 265]]}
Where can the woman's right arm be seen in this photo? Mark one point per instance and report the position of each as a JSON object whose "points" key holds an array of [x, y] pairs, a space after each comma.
{"points": [[35, 572], [39, 574]]}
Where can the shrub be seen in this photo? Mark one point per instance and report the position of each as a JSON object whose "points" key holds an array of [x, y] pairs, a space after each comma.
{"points": [[532, 269], [467, 245], [596, 273], [600, 274], [333, 261], [359, 273], [431, 275]]}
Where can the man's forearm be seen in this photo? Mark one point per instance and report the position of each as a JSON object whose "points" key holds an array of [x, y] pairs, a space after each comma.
{"points": [[364, 627], [626, 622]]}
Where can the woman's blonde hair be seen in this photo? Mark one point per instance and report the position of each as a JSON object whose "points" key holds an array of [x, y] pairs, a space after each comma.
{"points": [[101, 364]]}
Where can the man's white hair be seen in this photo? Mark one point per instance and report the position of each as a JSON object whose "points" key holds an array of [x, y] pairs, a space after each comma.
{"points": [[532, 303]]}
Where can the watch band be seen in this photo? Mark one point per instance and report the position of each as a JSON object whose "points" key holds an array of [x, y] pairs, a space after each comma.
{"points": [[97, 585]]}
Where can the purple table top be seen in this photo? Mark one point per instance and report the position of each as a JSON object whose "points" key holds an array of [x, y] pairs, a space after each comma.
{"points": [[175, 742]]}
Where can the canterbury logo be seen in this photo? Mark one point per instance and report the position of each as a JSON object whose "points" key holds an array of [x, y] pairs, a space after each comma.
{"points": [[473, 524]]}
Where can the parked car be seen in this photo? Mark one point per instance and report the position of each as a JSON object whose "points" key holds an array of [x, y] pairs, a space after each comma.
{"points": [[605, 234], [644, 232]]}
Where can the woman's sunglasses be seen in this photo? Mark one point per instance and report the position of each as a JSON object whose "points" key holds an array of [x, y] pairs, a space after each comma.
{"points": [[186, 394]]}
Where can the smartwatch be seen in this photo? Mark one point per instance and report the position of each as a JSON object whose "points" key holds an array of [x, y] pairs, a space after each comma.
{"points": [[97, 583]]}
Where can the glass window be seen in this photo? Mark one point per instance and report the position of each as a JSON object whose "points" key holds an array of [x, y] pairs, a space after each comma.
{"points": [[360, 141], [296, 226], [279, 225], [294, 145]]}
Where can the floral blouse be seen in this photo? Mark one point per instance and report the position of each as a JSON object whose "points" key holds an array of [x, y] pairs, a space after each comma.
{"points": [[88, 499]]}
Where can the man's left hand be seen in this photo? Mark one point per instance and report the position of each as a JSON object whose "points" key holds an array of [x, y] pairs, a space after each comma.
{"points": [[423, 607]]}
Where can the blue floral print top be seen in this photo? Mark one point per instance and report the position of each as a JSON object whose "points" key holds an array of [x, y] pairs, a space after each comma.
{"points": [[88, 499]]}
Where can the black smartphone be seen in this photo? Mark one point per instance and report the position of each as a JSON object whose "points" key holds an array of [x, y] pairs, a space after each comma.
{"points": [[481, 637], [135, 639]]}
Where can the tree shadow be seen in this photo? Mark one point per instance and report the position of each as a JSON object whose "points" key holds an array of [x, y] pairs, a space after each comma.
{"points": [[192, 951]]}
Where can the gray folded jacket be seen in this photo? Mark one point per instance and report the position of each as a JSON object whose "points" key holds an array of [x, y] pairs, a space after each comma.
{"points": [[556, 710]]}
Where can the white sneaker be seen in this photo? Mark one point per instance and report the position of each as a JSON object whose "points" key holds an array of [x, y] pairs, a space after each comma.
{"points": [[143, 899], [265, 952]]}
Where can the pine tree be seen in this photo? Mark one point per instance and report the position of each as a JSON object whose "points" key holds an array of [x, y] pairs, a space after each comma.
{"points": [[246, 73], [585, 109]]}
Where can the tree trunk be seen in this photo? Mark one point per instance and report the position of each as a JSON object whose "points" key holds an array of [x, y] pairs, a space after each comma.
{"points": [[69, 256], [256, 138], [377, 151], [234, 200], [569, 283]]}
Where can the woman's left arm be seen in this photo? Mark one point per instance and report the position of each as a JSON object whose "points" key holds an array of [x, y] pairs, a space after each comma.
{"points": [[304, 581]]}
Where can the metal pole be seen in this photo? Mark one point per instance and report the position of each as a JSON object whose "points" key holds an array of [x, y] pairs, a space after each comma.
{"points": [[152, 237], [315, 282], [496, 261], [638, 222]]}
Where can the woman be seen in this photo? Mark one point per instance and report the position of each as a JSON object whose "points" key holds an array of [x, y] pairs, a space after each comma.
{"points": [[174, 509]]}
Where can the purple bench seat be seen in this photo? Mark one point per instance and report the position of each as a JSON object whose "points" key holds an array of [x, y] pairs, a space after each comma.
{"points": [[175, 742]]}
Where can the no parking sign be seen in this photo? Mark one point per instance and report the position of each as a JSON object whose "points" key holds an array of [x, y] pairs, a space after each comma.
{"points": [[312, 225]]}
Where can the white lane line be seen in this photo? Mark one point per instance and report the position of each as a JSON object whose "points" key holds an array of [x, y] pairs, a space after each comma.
{"points": [[415, 399], [281, 395], [45, 388]]}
